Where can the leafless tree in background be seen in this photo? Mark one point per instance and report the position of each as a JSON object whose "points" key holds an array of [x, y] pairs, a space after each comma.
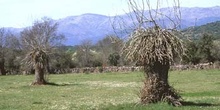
{"points": [[9, 52], [109, 45], [2, 51], [84, 54]]}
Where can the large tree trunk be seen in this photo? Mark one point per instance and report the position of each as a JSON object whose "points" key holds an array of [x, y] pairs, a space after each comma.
{"points": [[2, 67], [39, 75], [156, 87]]}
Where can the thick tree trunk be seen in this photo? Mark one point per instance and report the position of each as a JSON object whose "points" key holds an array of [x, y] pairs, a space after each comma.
{"points": [[39, 75], [2, 67], [156, 87]]}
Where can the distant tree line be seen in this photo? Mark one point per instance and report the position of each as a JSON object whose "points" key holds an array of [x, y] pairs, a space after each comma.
{"points": [[106, 52], [205, 49]]}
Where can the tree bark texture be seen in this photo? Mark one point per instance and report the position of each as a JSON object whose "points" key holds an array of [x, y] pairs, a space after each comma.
{"points": [[156, 87], [39, 75]]}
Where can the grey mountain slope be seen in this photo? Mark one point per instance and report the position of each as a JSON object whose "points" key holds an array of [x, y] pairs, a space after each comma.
{"points": [[86, 26], [95, 27]]}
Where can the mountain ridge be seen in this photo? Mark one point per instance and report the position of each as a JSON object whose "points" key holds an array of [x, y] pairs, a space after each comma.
{"points": [[94, 27]]}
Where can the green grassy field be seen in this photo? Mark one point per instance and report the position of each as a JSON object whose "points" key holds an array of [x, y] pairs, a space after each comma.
{"points": [[106, 91]]}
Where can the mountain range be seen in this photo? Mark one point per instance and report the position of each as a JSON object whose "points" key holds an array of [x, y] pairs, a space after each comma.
{"points": [[95, 27]]}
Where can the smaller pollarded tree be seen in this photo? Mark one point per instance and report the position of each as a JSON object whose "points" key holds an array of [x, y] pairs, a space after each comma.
{"points": [[39, 41], [38, 58], [155, 48]]}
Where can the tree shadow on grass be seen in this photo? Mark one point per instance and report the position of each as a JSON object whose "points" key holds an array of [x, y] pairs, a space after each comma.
{"points": [[188, 103], [55, 84]]}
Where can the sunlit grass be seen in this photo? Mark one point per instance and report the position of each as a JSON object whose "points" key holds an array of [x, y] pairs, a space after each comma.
{"points": [[104, 91]]}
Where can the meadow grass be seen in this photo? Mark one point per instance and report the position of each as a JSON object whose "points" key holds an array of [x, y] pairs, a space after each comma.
{"points": [[106, 91]]}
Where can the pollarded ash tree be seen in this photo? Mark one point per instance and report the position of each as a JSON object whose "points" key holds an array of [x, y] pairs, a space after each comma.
{"points": [[39, 41], [155, 48]]}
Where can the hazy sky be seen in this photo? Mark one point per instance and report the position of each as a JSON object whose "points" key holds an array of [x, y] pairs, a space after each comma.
{"points": [[21, 13]]}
